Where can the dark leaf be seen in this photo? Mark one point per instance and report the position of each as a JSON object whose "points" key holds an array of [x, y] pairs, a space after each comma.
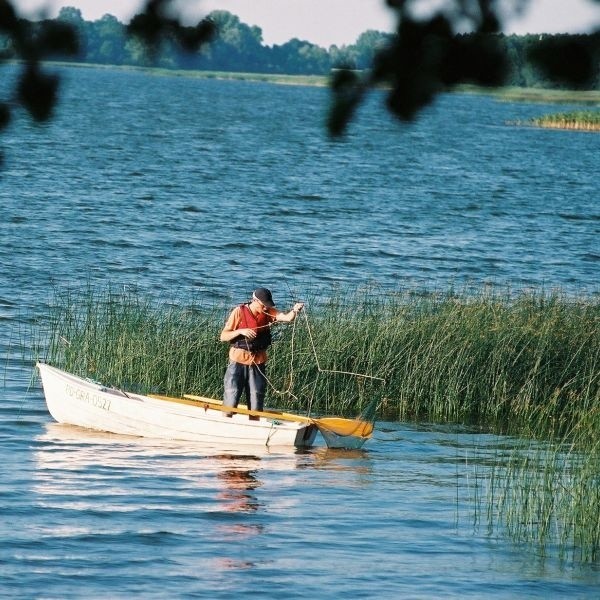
{"points": [[564, 60], [413, 64], [478, 59], [155, 25], [347, 92], [37, 92], [8, 18], [192, 38], [58, 37], [147, 27]]}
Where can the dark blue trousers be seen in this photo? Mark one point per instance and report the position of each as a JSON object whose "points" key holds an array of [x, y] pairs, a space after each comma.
{"points": [[245, 379]]}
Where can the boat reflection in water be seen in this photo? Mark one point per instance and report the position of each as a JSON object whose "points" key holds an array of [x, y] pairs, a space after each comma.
{"points": [[215, 508], [239, 509], [72, 449]]}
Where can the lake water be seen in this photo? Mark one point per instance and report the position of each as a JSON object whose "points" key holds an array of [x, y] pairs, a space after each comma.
{"points": [[190, 186]]}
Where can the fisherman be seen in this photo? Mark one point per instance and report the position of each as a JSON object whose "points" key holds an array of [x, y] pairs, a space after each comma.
{"points": [[248, 331]]}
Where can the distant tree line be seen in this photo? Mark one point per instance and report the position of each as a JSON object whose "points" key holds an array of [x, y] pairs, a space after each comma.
{"points": [[237, 46]]}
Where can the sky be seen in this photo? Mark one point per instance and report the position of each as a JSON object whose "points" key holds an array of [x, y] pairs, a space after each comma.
{"points": [[327, 22]]}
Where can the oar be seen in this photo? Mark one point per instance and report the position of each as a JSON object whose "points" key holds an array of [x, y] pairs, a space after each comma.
{"points": [[336, 425], [218, 405], [345, 427]]}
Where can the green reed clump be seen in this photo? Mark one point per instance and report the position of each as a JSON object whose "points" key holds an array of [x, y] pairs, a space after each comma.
{"points": [[476, 358], [581, 120], [548, 495]]}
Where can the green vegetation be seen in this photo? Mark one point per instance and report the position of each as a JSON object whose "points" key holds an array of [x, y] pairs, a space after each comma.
{"points": [[577, 120], [522, 363], [239, 47], [547, 495], [580, 120], [279, 79], [486, 359]]}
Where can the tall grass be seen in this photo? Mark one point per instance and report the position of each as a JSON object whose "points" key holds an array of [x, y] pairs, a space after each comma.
{"points": [[132, 341], [528, 362], [548, 494], [535, 95], [580, 120]]}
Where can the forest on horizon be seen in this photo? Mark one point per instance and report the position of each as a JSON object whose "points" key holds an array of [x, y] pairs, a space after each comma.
{"points": [[238, 47]]}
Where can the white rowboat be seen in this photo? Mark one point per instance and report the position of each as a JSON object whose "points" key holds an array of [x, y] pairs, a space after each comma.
{"points": [[76, 401]]}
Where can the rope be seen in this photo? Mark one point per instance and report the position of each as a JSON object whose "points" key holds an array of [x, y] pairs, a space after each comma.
{"points": [[312, 343], [319, 369], [271, 433], [289, 388]]}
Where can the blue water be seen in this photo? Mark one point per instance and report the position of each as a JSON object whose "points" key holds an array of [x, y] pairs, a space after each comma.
{"points": [[180, 185]]}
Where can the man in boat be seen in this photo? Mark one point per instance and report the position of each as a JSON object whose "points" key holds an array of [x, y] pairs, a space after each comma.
{"points": [[248, 331]]}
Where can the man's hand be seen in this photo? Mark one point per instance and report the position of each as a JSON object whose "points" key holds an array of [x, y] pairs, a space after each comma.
{"points": [[247, 332]]}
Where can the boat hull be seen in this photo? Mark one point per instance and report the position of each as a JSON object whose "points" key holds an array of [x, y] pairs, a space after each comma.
{"points": [[76, 401]]}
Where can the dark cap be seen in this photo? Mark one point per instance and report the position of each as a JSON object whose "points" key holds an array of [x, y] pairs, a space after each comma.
{"points": [[264, 295]]}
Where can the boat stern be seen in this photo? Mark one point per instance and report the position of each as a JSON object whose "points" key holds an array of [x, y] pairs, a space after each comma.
{"points": [[305, 437]]}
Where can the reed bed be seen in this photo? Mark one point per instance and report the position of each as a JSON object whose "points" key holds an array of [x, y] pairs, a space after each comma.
{"points": [[523, 363], [131, 341], [578, 120], [534, 95], [548, 494], [528, 362]]}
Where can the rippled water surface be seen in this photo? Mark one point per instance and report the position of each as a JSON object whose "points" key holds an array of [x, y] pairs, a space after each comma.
{"points": [[183, 185], [94, 515]]}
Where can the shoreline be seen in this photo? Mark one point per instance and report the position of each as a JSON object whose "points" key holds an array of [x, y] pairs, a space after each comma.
{"points": [[508, 94], [535, 95]]}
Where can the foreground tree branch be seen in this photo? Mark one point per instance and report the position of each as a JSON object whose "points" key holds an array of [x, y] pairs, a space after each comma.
{"points": [[36, 89], [428, 56]]}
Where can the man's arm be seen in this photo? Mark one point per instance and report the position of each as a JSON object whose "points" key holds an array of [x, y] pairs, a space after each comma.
{"points": [[288, 317], [230, 331]]}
